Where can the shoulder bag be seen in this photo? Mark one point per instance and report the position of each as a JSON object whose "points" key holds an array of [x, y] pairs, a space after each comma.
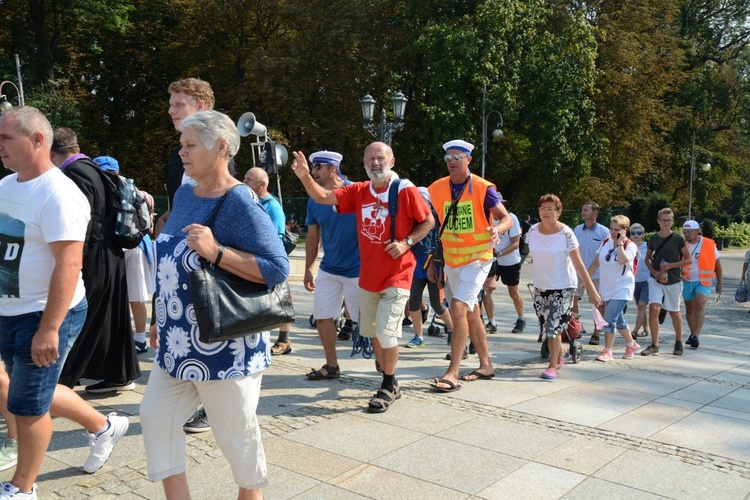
{"points": [[227, 306], [741, 294]]}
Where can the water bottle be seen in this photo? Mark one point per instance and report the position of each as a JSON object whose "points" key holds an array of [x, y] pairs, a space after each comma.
{"points": [[664, 275], [124, 225]]}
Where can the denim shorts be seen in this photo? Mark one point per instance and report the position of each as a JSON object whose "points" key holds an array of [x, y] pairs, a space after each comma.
{"points": [[641, 292], [32, 387], [613, 315]]}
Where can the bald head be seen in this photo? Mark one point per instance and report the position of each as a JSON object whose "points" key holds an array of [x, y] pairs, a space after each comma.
{"points": [[257, 179]]}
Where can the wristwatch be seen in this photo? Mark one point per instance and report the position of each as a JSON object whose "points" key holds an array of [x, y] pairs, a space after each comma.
{"points": [[410, 241]]}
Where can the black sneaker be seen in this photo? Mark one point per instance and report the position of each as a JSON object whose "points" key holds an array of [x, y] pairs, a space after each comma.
{"points": [[678, 349], [107, 386], [425, 314], [406, 322], [490, 327], [652, 350], [693, 341], [198, 422], [466, 355], [520, 325], [472, 349], [346, 332], [141, 347]]}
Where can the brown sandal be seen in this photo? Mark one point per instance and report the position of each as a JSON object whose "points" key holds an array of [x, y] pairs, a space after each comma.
{"points": [[324, 373], [279, 348]]}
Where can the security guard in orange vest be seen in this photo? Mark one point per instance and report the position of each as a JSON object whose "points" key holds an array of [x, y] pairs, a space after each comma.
{"points": [[466, 204], [698, 278]]}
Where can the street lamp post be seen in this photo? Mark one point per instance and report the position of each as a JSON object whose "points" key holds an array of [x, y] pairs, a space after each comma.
{"points": [[497, 134], [705, 167], [4, 103], [384, 130]]}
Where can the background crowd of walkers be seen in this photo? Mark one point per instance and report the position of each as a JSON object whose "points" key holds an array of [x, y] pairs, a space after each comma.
{"points": [[67, 293]]}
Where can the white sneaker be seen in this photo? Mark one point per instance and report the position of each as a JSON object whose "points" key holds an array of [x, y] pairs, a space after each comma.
{"points": [[101, 446], [10, 492], [8, 454]]}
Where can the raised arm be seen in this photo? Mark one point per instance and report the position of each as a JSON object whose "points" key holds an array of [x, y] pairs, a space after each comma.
{"points": [[315, 191]]}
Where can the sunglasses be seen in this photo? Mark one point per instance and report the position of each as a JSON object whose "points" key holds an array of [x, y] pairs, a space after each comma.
{"points": [[609, 255], [636, 233], [454, 157], [318, 166]]}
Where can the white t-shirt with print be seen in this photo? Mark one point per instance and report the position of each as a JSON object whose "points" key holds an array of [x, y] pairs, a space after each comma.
{"points": [[33, 214], [513, 257], [695, 250], [553, 269], [616, 280]]}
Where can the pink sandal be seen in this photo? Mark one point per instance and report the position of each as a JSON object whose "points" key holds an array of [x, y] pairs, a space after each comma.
{"points": [[549, 374], [562, 360]]}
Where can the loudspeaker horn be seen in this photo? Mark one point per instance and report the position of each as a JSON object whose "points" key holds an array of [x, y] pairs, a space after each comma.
{"points": [[247, 124], [282, 157]]}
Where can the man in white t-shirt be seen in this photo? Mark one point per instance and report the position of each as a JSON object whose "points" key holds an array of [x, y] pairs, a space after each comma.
{"points": [[43, 216], [697, 278], [590, 235], [507, 269]]}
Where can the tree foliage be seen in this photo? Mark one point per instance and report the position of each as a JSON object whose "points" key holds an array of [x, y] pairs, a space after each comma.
{"points": [[599, 99]]}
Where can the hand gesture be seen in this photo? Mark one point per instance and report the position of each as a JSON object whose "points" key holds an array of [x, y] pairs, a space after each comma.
{"points": [[299, 166]]}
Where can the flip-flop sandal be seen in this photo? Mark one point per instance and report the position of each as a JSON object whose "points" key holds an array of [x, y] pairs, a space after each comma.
{"points": [[478, 376], [452, 387], [326, 372], [382, 400]]}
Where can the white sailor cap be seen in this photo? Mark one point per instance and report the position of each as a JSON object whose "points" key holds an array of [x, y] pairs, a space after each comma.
{"points": [[463, 146], [328, 157]]}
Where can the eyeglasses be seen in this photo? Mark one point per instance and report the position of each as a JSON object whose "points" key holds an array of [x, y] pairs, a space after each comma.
{"points": [[636, 233], [318, 166], [454, 157], [547, 209]]}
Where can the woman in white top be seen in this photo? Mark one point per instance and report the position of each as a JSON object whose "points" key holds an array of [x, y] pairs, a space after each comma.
{"points": [[640, 296], [556, 262], [616, 257]]}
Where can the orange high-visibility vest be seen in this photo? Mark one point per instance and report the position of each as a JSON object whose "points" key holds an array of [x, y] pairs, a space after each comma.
{"points": [[465, 238], [706, 263]]}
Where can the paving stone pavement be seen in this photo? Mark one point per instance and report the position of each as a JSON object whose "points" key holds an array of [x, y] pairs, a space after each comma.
{"points": [[651, 427]]}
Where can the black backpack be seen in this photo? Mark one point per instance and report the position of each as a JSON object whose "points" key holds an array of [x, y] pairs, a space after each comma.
{"points": [[139, 219]]}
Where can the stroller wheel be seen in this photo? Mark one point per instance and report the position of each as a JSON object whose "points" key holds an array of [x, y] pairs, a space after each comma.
{"points": [[577, 351], [545, 350], [339, 323], [431, 331], [312, 321]]}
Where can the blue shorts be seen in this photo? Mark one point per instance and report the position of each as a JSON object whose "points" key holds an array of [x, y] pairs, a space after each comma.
{"points": [[31, 386], [613, 315], [690, 288], [641, 292]]}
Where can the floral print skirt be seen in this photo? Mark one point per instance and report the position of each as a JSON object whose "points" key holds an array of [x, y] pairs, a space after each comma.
{"points": [[553, 308]]}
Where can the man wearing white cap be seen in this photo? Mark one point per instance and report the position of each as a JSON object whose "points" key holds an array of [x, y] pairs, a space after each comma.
{"points": [[338, 275], [466, 205], [387, 262], [698, 277]]}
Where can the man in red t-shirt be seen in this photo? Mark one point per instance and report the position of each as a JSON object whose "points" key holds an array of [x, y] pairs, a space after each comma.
{"points": [[387, 264]]}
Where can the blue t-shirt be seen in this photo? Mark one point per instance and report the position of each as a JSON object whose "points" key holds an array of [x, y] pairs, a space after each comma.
{"points": [[339, 234], [241, 223], [274, 210]]}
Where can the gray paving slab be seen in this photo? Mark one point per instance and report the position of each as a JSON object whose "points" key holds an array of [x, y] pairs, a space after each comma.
{"points": [[651, 427]]}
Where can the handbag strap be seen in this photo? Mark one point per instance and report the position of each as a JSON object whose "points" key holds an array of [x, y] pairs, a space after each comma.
{"points": [[653, 255], [212, 216]]}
